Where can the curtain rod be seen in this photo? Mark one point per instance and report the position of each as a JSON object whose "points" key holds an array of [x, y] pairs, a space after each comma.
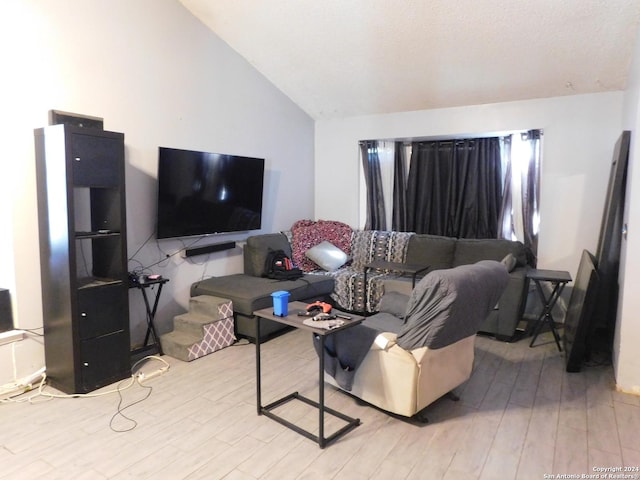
{"points": [[411, 140]]}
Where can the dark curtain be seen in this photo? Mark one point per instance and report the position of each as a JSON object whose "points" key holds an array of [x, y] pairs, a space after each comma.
{"points": [[506, 218], [399, 218], [531, 195], [454, 188], [375, 197]]}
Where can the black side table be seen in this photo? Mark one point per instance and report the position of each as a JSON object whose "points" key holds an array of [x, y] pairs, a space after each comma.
{"points": [[402, 268], [293, 320], [151, 312], [558, 279]]}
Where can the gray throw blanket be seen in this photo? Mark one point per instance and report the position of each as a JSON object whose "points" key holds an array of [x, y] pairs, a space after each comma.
{"points": [[344, 351], [449, 305]]}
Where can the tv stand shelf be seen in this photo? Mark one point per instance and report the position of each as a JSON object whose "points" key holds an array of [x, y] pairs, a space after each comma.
{"points": [[91, 282], [82, 235]]}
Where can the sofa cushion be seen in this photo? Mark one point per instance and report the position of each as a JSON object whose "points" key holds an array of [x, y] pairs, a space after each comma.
{"points": [[394, 303], [472, 250], [432, 250], [257, 249], [249, 293], [384, 322]]}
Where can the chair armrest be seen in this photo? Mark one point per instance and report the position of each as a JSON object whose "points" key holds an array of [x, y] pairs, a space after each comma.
{"points": [[384, 341], [419, 353]]}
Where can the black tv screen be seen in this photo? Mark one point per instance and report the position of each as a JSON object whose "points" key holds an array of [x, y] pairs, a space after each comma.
{"points": [[202, 193]]}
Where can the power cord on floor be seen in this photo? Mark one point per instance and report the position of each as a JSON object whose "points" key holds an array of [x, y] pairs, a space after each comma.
{"points": [[137, 377], [121, 409], [141, 378]]}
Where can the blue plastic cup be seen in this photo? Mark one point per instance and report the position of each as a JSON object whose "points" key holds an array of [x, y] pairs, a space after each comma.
{"points": [[281, 303]]}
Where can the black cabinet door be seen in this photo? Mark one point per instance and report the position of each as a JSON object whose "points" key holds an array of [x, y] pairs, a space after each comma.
{"points": [[95, 160], [105, 359], [102, 310]]}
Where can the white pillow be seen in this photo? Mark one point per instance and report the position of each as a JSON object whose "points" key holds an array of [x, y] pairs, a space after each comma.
{"points": [[327, 256], [510, 262]]}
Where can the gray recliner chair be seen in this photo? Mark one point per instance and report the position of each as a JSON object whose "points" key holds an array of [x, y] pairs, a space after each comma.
{"points": [[425, 345]]}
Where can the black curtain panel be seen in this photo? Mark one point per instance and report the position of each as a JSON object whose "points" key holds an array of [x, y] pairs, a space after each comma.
{"points": [[399, 218], [375, 196], [454, 188], [531, 195], [505, 219]]}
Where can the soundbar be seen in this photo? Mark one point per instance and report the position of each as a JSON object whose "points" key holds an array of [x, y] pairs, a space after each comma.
{"points": [[214, 247]]}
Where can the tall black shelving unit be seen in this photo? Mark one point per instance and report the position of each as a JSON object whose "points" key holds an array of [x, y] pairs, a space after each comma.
{"points": [[83, 256]]}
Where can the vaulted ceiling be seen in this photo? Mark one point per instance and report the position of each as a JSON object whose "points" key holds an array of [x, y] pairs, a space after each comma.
{"points": [[340, 58]]}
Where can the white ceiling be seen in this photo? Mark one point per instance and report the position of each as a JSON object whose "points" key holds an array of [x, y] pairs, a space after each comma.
{"points": [[340, 58]]}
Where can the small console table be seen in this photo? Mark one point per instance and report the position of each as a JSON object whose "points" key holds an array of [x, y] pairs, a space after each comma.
{"points": [[293, 320], [151, 312], [558, 279], [402, 268]]}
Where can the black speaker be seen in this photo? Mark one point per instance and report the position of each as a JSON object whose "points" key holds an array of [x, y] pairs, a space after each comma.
{"points": [[56, 117], [6, 318], [214, 247]]}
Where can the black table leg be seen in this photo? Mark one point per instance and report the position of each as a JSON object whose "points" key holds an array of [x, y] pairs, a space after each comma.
{"points": [[258, 380], [546, 315], [321, 439], [151, 315]]}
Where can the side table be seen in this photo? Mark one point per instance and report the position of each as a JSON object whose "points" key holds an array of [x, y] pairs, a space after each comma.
{"points": [[403, 268], [296, 321], [558, 279], [150, 311]]}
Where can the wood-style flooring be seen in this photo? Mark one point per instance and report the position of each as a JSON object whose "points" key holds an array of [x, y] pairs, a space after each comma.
{"points": [[520, 416]]}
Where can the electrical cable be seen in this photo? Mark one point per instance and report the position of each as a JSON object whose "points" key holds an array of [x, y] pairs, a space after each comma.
{"points": [[32, 331], [169, 255], [136, 378], [141, 247], [121, 409]]}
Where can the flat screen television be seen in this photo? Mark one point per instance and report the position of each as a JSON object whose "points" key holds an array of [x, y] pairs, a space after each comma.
{"points": [[202, 193]]}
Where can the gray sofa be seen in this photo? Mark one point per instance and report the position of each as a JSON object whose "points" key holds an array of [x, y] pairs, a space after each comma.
{"points": [[445, 252], [345, 287]]}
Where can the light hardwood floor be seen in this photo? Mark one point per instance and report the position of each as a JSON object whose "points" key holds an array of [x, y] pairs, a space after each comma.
{"points": [[520, 416]]}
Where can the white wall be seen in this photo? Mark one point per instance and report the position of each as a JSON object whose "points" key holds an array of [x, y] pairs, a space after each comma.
{"points": [[154, 72], [627, 336], [579, 135]]}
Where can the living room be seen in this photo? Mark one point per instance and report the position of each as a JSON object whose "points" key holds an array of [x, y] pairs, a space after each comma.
{"points": [[155, 72]]}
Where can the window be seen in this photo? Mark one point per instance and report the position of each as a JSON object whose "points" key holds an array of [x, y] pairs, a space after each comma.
{"points": [[498, 175]]}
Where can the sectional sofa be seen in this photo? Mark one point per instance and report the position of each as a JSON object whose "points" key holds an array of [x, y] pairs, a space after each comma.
{"points": [[345, 285]]}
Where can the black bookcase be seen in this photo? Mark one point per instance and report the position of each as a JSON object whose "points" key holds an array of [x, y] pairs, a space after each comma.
{"points": [[83, 256]]}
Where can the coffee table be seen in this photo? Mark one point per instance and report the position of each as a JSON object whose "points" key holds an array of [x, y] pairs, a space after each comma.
{"points": [[293, 320]]}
